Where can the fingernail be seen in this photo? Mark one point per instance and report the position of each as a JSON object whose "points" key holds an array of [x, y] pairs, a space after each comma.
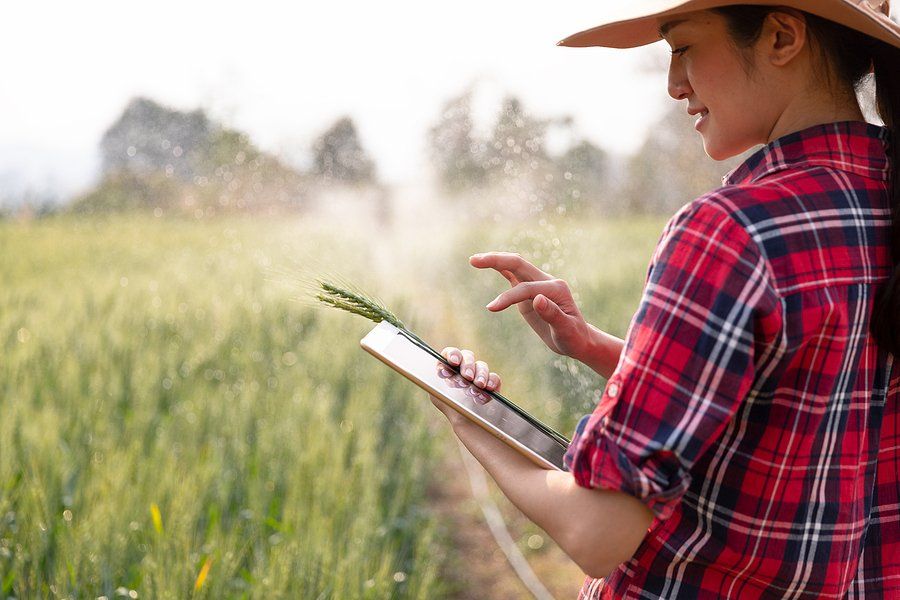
{"points": [[454, 359], [476, 256], [469, 373], [492, 303], [479, 380]]}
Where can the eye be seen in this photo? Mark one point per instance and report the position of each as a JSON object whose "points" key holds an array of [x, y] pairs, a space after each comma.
{"points": [[680, 51]]}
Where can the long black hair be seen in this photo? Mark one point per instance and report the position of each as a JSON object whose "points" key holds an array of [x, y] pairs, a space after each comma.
{"points": [[851, 55]]}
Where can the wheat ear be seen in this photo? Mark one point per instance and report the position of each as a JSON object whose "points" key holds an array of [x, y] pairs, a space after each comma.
{"points": [[358, 303]]}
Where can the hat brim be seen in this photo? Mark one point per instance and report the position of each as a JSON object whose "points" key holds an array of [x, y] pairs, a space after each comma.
{"points": [[641, 27]]}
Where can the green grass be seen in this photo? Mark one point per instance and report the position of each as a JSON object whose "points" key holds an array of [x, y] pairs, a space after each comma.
{"points": [[148, 365]]}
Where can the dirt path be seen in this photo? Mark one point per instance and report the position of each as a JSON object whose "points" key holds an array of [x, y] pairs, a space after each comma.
{"points": [[476, 567]]}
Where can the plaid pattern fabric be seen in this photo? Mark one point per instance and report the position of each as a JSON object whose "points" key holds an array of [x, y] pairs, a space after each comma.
{"points": [[750, 409]]}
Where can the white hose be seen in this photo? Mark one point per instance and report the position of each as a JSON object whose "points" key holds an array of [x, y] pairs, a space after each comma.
{"points": [[498, 527]]}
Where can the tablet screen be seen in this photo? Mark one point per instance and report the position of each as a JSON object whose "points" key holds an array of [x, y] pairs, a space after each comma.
{"points": [[491, 411]]}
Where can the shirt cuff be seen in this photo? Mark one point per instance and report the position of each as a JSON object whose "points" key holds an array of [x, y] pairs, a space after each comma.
{"points": [[597, 461]]}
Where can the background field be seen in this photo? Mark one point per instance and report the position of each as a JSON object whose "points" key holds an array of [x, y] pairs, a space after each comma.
{"points": [[176, 423]]}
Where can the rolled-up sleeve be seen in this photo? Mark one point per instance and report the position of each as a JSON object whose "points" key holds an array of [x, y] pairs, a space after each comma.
{"points": [[687, 364]]}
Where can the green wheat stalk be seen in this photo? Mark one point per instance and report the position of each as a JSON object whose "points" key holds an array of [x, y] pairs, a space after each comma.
{"points": [[357, 303], [360, 303]]}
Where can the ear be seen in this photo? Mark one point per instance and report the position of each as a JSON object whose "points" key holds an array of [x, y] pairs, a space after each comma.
{"points": [[784, 36]]}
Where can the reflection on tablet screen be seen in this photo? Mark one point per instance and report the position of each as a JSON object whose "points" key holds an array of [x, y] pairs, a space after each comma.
{"points": [[477, 401], [442, 380], [455, 380]]}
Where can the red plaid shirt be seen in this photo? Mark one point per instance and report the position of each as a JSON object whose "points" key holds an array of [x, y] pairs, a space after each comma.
{"points": [[750, 409]]}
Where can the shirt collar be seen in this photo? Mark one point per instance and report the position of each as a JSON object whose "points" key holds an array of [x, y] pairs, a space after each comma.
{"points": [[853, 146]]}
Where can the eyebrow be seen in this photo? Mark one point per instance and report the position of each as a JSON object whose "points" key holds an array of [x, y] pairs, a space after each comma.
{"points": [[666, 27]]}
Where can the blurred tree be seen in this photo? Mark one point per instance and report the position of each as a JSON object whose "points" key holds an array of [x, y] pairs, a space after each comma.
{"points": [[163, 159], [582, 176], [671, 168], [339, 156], [149, 137], [455, 153], [29, 203], [517, 143], [122, 191]]}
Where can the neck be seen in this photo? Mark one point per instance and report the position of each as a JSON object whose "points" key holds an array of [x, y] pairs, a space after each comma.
{"points": [[808, 109]]}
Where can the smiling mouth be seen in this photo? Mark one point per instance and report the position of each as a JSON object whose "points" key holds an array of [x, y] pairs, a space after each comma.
{"points": [[703, 113]]}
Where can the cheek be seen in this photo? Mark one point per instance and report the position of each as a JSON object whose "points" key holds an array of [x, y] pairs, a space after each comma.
{"points": [[718, 79]]}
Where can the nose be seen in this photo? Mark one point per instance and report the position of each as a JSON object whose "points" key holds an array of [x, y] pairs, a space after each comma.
{"points": [[679, 88]]}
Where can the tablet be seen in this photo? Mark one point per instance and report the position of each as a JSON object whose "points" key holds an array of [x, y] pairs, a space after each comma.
{"points": [[419, 363]]}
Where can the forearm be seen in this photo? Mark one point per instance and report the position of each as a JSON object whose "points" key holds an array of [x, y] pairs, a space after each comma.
{"points": [[602, 351], [598, 529]]}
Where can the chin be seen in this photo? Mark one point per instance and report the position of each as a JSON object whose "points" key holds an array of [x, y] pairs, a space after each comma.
{"points": [[716, 154], [720, 151]]}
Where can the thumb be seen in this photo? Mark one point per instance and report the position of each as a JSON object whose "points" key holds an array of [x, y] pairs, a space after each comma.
{"points": [[548, 310]]}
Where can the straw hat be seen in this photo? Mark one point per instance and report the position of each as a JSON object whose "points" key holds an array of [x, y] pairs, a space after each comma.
{"points": [[637, 22]]}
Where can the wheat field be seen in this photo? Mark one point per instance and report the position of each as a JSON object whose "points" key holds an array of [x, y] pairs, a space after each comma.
{"points": [[176, 421]]}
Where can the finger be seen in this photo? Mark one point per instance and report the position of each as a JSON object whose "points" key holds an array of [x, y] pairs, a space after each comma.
{"points": [[493, 383], [512, 279], [443, 407], [524, 291], [480, 397], [481, 373], [549, 311], [508, 261], [467, 368], [452, 354]]}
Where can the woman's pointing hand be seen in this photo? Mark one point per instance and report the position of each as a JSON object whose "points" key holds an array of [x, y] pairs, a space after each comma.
{"points": [[545, 302]]}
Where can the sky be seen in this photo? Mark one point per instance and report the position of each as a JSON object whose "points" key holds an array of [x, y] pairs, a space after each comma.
{"points": [[284, 71]]}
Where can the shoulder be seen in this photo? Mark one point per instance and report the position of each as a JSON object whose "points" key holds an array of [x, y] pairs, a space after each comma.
{"points": [[728, 216], [748, 213], [745, 206], [720, 233]]}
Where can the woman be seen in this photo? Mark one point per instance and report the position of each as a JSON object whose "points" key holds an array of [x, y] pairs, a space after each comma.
{"points": [[748, 440]]}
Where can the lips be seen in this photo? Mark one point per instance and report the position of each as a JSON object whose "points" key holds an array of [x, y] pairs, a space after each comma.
{"points": [[703, 112]]}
